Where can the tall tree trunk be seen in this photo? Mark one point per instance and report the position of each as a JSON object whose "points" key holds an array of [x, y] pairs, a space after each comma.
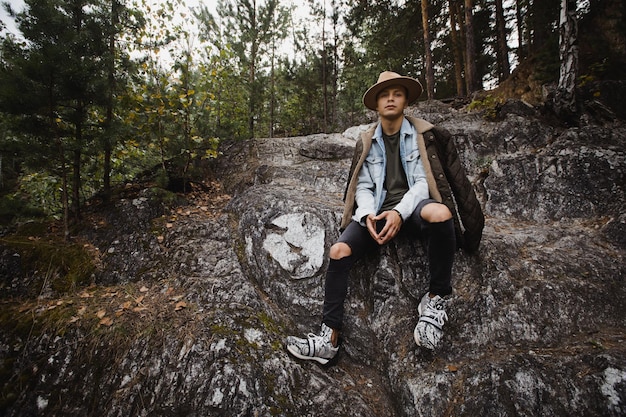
{"points": [[528, 28], [59, 144], [324, 69], [456, 48], [64, 194], [335, 68], [79, 115], [252, 73], [504, 69], [519, 17], [430, 74], [565, 98], [76, 180], [471, 77], [273, 89], [108, 140]]}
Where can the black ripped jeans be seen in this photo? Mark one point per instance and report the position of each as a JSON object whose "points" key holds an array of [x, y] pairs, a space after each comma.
{"points": [[440, 243]]}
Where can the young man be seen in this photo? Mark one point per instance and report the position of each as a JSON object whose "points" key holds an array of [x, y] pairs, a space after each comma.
{"points": [[405, 175]]}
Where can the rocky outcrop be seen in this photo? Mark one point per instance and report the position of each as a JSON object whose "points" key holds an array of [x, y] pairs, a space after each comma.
{"points": [[200, 299]]}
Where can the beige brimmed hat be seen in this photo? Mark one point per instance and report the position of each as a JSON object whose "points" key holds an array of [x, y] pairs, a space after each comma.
{"points": [[387, 79]]}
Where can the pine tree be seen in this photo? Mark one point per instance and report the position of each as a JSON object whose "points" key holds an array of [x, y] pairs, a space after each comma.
{"points": [[251, 28], [60, 78]]}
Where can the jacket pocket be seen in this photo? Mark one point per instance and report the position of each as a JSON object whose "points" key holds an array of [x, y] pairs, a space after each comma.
{"points": [[413, 166], [375, 166], [413, 156]]}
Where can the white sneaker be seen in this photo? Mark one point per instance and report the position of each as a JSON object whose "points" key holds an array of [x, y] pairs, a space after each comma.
{"points": [[429, 328], [314, 347]]}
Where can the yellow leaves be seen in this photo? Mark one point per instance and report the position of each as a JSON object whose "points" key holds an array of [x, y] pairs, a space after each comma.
{"points": [[210, 153]]}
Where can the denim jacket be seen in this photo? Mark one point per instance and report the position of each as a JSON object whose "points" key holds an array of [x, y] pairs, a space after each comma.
{"points": [[370, 190]]}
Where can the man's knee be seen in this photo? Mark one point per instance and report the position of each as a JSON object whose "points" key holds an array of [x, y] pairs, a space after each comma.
{"points": [[436, 213], [340, 250]]}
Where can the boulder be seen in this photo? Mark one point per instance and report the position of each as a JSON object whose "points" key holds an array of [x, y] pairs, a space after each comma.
{"points": [[191, 304]]}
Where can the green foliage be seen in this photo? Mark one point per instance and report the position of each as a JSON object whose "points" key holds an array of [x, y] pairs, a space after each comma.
{"points": [[400, 49], [100, 94], [14, 206], [42, 190], [487, 105]]}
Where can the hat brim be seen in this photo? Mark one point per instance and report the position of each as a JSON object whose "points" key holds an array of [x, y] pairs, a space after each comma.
{"points": [[413, 88]]}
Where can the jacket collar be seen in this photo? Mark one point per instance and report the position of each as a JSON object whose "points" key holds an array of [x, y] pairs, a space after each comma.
{"points": [[408, 123], [376, 131], [420, 125]]}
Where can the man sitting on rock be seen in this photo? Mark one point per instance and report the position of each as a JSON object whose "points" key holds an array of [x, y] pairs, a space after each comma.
{"points": [[405, 176]]}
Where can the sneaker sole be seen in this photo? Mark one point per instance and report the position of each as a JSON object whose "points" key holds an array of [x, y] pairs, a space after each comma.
{"points": [[417, 340], [415, 335], [419, 312], [323, 361]]}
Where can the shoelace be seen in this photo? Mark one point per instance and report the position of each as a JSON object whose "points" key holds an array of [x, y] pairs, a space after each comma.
{"points": [[315, 342], [436, 315]]}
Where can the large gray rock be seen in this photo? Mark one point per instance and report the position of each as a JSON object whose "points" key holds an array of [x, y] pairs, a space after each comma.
{"points": [[537, 319]]}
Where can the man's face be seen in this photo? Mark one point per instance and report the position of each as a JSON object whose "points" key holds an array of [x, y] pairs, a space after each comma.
{"points": [[391, 102]]}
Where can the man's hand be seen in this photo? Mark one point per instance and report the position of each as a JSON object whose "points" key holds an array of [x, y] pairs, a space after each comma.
{"points": [[393, 223]]}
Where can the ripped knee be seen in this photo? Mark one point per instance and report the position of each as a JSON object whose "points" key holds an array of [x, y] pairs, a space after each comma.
{"points": [[340, 250], [436, 213]]}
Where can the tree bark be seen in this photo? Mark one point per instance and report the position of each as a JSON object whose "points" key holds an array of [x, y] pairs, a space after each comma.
{"points": [[324, 69], [519, 17], [565, 97], [504, 68], [456, 48], [108, 132], [254, 49], [471, 77], [430, 74]]}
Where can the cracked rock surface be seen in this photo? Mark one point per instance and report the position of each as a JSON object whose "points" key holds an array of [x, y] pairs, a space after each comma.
{"points": [[201, 295]]}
